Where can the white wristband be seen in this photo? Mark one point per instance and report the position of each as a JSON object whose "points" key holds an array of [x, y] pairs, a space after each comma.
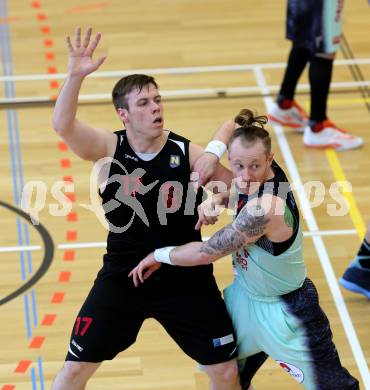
{"points": [[162, 255], [216, 147]]}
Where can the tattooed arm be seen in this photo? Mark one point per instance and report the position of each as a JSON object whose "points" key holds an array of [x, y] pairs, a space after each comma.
{"points": [[251, 223]]}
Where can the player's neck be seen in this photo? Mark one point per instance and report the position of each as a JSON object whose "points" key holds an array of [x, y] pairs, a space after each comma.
{"points": [[147, 145]]}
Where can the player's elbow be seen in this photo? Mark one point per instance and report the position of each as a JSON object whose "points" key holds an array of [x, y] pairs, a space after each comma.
{"points": [[59, 127], [205, 258]]}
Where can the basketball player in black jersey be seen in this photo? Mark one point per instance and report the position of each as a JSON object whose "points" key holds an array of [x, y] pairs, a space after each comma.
{"points": [[147, 199]]}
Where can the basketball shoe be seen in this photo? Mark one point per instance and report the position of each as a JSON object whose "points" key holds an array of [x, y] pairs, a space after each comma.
{"points": [[293, 116], [326, 134], [356, 279]]}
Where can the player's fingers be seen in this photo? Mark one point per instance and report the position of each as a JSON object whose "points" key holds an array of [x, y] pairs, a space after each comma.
{"points": [[78, 37], [134, 278], [69, 44], [94, 43], [86, 40], [140, 273], [148, 273], [198, 224]]}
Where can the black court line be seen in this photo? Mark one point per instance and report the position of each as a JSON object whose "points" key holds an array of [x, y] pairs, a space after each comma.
{"points": [[355, 70], [46, 262]]}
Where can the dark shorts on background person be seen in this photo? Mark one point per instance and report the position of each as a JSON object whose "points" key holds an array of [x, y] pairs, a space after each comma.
{"points": [[315, 24]]}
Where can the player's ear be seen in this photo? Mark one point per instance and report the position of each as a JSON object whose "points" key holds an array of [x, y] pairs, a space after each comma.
{"points": [[123, 114]]}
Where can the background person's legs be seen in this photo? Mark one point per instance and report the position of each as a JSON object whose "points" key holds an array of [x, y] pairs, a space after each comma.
{"points": [[320, 73], [297, 61], [321, 132], [286, 111]]}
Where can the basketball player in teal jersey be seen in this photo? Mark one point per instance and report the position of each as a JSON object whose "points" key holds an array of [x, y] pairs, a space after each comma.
{"points": [[315, 29], [273, 305]]}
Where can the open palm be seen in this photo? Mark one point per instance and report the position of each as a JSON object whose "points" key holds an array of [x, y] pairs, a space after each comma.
{"points": [[80, 62]]}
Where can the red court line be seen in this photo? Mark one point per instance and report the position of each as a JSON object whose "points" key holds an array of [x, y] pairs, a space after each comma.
{"points": [[23, 366], [54, 84], [71, 196], [36, 4], [68, 178], [72, 216], [69, 255], [52, 69], [64, 277], [57, 297], [65, 163], [62, 146], [45, 29], [48, 319], [41, 17], [37, 342], [49, 56], [48, 42], [8, 387], [71, 235]]}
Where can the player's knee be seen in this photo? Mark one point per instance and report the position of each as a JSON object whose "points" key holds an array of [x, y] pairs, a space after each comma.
{"points": [[72, 371], [225, 373], [75, 373]]}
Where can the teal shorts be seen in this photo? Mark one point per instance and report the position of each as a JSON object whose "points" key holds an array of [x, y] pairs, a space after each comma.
{"points": [[293, 330]]}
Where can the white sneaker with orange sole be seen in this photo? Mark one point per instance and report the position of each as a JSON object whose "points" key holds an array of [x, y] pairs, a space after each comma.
{"points": [[331, 137], [295, 116]]}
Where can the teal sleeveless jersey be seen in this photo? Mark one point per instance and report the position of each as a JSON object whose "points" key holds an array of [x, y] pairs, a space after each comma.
{"points": [[265, 275], [262, 270]]}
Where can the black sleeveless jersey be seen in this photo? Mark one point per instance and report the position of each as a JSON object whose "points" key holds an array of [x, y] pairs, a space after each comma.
{"points": [[277, 186], [149, 204]]}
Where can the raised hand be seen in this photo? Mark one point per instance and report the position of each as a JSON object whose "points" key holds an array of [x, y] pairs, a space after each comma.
{"points": [[80, 62]]}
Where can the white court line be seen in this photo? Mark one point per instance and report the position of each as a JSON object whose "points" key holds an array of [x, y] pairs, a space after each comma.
{"points": [[317, 240], [25, 248], [83, 245], [201, 92], [179, 70], [348, 232], [86, 245]]}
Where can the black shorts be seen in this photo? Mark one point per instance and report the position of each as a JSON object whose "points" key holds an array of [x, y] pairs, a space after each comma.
{"points": [[192, 312]]}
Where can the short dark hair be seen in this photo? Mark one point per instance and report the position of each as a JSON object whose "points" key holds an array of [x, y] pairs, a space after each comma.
{"points": [[126, 84], [251, 130]]}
